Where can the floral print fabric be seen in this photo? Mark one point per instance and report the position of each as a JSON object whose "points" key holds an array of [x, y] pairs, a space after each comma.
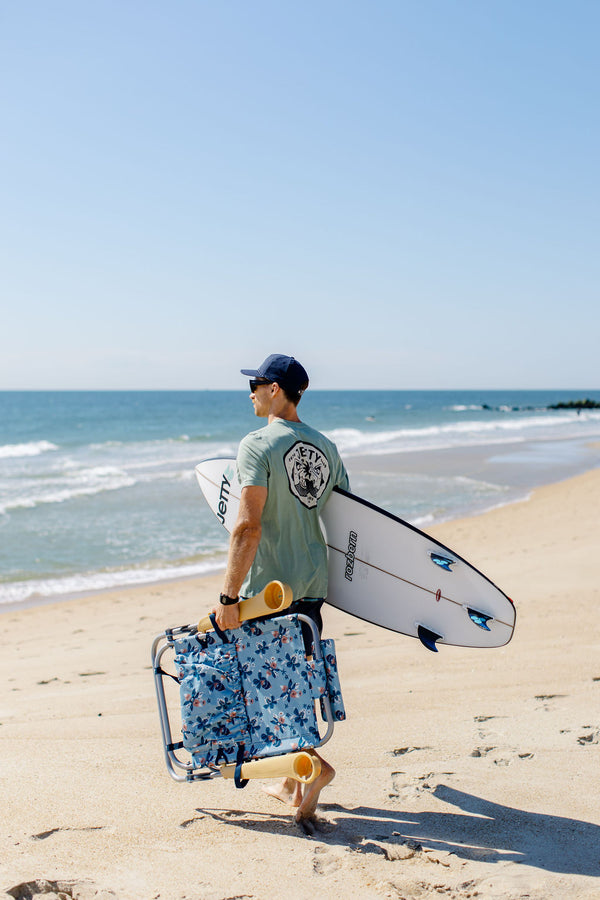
{"points": [[257, 691]]}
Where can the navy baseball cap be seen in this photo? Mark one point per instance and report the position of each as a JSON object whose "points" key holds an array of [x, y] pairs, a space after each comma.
{"points": [[285, 370]]}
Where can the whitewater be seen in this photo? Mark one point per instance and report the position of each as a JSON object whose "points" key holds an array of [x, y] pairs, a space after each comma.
{"points": [[97, 489]]}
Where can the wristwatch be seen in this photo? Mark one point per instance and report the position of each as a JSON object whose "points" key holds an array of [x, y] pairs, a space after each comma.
{"points": [[224, 600]]}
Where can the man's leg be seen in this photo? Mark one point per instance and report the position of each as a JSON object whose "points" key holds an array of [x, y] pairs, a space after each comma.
{"points": [[310, 800], [288, 791]]}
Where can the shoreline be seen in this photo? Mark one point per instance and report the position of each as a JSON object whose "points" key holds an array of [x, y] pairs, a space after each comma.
{"points": [[97, 492], [491, 462], [50, 599], [464, 771]]}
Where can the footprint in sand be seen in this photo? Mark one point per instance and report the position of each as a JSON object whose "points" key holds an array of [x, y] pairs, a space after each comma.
{"points": [[592, 736], [46, 834], [546, 698], [410, 786], [401, 751], [59, 890], [187, 822], [423, 782], [482, 732], [503, 761], [324, 861], [482, 751]]}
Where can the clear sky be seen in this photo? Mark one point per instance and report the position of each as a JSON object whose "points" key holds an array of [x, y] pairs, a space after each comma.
{"points": [[401, 194]]}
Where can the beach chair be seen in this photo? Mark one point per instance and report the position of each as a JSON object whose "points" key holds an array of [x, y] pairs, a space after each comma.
{"points": [[250, 699]]}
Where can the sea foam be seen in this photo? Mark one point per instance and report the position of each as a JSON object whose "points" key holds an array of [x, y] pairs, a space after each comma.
{"points": [[33, 448], [22, 591], [73, 484], [464, 433]]}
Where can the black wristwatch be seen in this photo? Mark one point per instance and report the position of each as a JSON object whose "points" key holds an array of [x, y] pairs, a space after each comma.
{"points": [[224, 600]]}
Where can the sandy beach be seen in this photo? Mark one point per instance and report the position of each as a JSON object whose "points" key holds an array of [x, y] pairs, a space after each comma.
{"points": [[460, 774]]}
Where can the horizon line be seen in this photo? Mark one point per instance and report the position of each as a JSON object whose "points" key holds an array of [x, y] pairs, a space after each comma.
{"points": [[314, 390]]}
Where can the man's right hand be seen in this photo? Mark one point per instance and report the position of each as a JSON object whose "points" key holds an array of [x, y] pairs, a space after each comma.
{"points": [[227, 616]]}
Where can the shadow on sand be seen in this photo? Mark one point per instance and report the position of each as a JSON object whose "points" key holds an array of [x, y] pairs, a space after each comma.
{"points": [[483, 831]]}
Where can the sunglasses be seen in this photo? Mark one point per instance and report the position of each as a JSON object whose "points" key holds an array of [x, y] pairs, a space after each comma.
{"points": [[254, 384]]}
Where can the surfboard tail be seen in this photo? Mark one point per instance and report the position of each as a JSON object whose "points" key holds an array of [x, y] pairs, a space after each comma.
{"points": [[480, 619]]}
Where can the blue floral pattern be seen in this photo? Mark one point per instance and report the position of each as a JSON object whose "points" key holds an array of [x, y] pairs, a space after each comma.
{"points": [[257, 692]]}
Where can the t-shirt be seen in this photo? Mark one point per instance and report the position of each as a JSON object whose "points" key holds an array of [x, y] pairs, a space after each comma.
{"points": [[300, 467]]}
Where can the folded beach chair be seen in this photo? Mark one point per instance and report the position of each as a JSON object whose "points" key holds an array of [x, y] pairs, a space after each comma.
{"points": [[250, 698]]}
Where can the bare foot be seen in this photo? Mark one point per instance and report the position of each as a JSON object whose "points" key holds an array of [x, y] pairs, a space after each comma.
{"points": [[288, 791], [308, 807]]}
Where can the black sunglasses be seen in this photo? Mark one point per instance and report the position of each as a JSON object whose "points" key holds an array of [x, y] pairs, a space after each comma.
{"points": [[254, 384]]}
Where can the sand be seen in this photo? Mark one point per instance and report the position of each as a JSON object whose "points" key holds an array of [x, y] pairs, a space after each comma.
{"points": [[466, 773]]}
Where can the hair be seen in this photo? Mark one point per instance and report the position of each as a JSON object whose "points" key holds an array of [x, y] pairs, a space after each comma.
{"points": [[293, 396]]}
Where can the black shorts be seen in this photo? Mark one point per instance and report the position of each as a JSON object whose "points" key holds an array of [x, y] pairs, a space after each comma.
{"points": [[312, 609]]}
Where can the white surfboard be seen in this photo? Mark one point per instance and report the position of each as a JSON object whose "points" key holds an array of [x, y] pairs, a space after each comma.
{"points": [[386, 571]]}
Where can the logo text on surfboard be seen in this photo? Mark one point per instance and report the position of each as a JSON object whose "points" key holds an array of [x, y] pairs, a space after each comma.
{"points": [[350, 554], [224, 496]]}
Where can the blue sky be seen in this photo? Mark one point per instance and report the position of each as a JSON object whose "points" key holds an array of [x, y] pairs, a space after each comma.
{"points": [[401, 194]]}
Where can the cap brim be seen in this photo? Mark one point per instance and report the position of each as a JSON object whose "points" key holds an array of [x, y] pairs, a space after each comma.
{"points": [[253, 372]]}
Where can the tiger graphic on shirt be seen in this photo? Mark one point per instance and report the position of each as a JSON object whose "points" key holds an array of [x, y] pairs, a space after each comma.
{"points": [[307, 469]]}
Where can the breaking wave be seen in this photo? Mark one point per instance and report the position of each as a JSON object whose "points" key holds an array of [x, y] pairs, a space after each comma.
{"points": [[33, 448]]}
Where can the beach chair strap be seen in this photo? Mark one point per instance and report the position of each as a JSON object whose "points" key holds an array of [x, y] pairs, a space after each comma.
{"points": [[218, 631], [239, 781], [221, 757], [160, 671]]}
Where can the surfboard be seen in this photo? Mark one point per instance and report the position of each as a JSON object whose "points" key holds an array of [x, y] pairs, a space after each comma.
{"points": [[386, 571]]}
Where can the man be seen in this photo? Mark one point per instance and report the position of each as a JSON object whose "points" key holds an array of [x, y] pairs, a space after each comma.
{"points": [[287, 471]]}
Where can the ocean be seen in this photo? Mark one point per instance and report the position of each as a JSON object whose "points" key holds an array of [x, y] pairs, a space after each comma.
{"points": [[97, 489]]}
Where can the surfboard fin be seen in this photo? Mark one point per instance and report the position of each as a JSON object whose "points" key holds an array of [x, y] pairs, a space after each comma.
{"points": [[428, 638], [444, 562], [479, 618]]}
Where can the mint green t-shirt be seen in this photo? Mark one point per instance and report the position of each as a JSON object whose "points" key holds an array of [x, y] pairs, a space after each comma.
{"points": [[300, 467]]}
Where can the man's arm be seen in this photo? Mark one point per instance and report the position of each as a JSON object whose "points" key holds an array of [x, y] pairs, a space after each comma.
{"points": [[244, 542]]}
